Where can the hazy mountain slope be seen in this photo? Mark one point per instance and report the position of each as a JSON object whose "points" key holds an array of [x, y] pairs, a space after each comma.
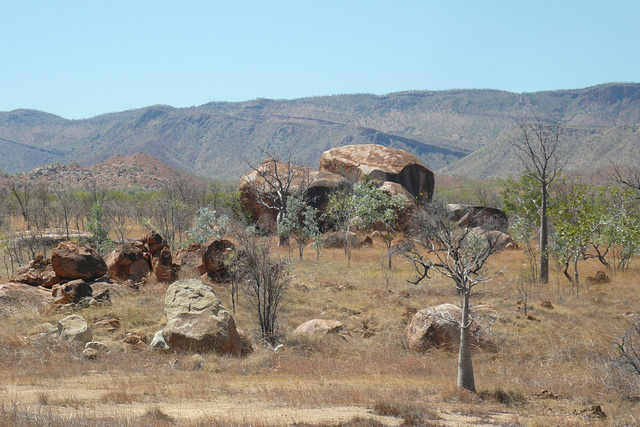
{"points": [[17, 157], [441, 128]]}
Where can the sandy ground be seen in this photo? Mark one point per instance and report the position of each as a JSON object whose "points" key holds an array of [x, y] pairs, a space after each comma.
{"points": [[85, 395]]}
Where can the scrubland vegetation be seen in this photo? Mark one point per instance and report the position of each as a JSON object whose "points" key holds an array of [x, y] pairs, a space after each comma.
{"points": [[564, 352]]}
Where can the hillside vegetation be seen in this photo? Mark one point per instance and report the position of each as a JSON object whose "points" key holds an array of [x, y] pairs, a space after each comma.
{"points": [[462, 132]]}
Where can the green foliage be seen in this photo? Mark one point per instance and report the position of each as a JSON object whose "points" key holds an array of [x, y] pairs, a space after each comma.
{"points": [[299, 221], [207, 224], [362, 206], [522, 201], [97, 225]]}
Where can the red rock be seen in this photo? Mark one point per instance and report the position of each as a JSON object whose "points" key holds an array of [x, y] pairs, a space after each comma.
{"points": [[75, 260], [128, 261], [38, 272]]}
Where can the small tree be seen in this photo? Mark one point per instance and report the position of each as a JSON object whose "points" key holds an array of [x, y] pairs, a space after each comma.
{"points": [[300, 221], [265, 278], [98, 226], [460, 255], [207, 224], [362, 206]]}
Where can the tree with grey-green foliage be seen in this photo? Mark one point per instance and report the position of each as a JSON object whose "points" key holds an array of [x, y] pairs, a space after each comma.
{"points": [[362, 206], [300, 221], [208, 224], [97, 224], [459, 255], [540, 146]]}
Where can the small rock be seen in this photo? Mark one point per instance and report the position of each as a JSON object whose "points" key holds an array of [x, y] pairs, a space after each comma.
{"points": [[75, 329], [90, 353], [319, 326], [158, 342]]}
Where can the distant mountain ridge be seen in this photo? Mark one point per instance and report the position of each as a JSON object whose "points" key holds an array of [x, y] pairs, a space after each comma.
{"points": [[462, 132]]}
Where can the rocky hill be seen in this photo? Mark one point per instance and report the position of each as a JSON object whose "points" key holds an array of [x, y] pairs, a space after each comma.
{"points": [[462, 132], [138, 172]]}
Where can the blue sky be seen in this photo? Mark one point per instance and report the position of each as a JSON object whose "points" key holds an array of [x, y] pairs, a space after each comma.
{"points": [[79, 59]]}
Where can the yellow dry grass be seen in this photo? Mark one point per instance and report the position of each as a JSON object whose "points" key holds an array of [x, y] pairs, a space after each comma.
{"points": [[363, 376]]}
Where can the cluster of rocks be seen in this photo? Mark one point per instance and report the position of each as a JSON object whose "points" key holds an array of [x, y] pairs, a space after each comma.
{"points": [[398, 173], [196, 322]]}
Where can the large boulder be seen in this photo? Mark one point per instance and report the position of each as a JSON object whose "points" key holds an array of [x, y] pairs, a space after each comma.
{"points": [[128, 261], [38, 272], [382, 164], [487, 218], [197, 321], [439, 326], [74, 329], [154, 242], [258, 188], [75, 260]]}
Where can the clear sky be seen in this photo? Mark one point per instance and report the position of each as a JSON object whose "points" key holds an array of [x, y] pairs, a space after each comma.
{"points": [[78, 59]]}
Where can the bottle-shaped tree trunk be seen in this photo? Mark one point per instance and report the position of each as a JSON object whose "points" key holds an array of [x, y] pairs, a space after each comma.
{"points": [[466, 378]]}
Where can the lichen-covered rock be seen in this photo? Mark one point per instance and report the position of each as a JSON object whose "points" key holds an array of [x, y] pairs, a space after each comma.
{"points": [[75, 260], [197, 321], [74, 329], [319, 326], [382, 164]]}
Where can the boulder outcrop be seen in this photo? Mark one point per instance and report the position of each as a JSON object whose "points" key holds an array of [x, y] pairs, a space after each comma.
{"points": [[259, 187], [383, 164]]}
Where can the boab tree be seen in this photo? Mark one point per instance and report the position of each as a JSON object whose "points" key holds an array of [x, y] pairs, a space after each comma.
{"points": [[459, 254], [540, 148]]}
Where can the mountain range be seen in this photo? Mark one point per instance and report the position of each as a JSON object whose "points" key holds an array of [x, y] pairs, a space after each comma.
{"points": [[456, 132]]}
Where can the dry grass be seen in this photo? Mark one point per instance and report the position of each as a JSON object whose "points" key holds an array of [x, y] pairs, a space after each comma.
{"points": [[565, 350]]}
